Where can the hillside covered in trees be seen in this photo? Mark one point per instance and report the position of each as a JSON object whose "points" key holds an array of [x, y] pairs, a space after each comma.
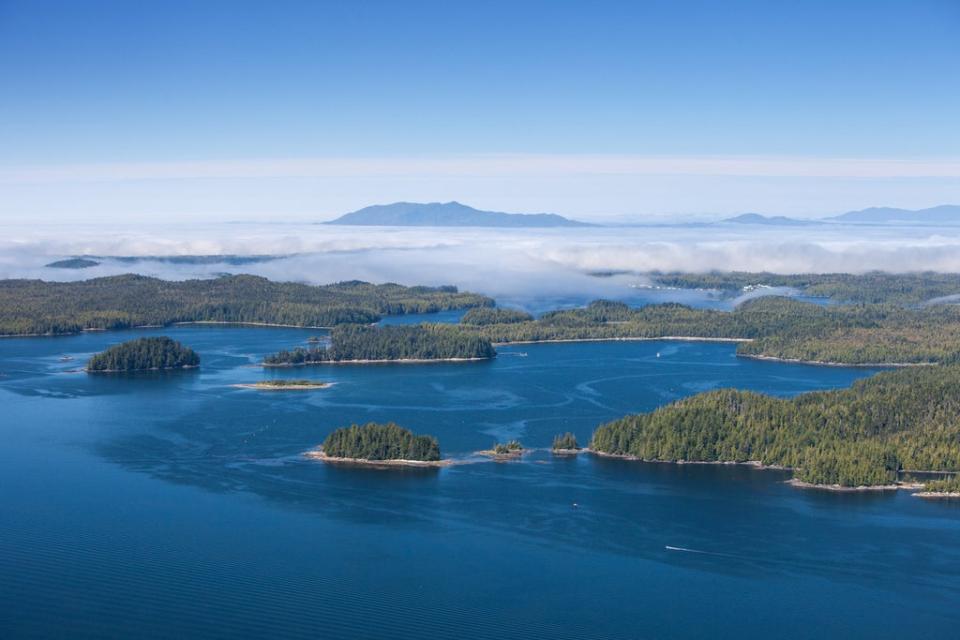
{"points": [[868, 288], [144, 354], [37, 307], [494, 315], [899, 420], [884, 328], [392, 342], [771, 326], [380, 442]]}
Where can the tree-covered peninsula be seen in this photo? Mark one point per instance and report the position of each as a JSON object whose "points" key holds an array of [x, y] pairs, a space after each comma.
{"points": [[361, 343], [144, 354], [36, 307], [375, 442], [895, 421]]}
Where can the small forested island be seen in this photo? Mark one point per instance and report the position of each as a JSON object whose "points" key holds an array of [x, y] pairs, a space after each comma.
{"points": [[73, 263], [393, 343], [379, 444], [565, 443], [504, 450], [144, 354], [285, 385], [864, 436], [37, 307], [494, 315]]}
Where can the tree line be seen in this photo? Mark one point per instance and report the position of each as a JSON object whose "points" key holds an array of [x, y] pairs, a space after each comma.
{"points": [[392, 342], [374, 441], [494, 315], [900, 420], [875, 287], [775, 326], [118, 302]]}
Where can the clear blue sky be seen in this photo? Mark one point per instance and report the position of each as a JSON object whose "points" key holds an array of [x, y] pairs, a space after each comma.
{"points": [[170, 82]]}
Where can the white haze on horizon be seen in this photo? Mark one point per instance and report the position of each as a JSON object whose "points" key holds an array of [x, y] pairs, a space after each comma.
{"points": [[498, 262]]}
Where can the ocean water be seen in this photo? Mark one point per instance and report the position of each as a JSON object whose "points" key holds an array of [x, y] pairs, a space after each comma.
{"points": [[174, 505]]}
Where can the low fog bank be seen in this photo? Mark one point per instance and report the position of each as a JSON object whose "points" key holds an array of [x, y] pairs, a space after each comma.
{"points": [[506, 264]]}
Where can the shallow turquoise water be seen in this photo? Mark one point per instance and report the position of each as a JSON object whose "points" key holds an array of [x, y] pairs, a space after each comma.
{"points": [[174, 505]]}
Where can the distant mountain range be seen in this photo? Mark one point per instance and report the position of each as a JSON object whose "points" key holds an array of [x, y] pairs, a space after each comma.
{"points": [[944, 214], [756, 218], [448, 214], [947, 214]]}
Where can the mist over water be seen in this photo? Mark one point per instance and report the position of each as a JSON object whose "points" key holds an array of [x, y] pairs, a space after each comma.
{"points": [[507, 264]]}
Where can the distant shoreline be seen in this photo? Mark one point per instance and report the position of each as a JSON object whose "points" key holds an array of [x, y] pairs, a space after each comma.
{"points": [[396, 361], [823, 363], [818, 363], [249, 324], [52, 334], [663, 338]]}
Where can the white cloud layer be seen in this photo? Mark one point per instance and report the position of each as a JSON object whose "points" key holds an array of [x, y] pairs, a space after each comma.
{"points": [[505, 264]]}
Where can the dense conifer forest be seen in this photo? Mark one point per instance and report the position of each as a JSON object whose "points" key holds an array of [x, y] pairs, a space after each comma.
{"points": [[512, 447], [947, 485], [493, 315], [882, 328], [774, 326], [374, 441], [565, 442], [900, 420], [118, 302], [144, 354], [394, 342], [868, 288]]}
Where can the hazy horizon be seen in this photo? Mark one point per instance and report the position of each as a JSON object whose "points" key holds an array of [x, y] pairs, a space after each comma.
{"points": [[506, 264], [188, 112]]}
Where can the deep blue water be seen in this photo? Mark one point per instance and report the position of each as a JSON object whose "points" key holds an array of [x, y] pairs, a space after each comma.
{"points": [[174, 505]]}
